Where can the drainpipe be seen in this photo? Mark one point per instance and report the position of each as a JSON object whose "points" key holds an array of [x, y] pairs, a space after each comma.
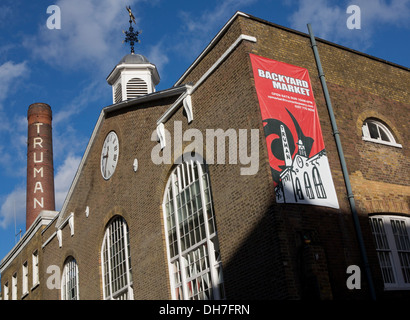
{"points": [[343, 164]]}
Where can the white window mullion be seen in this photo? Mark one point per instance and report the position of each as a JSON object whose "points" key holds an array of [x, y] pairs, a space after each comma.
{"points": [[127, 266], [394, 254], [109, 261], [210, 245], [168, 230], [182, 265]]}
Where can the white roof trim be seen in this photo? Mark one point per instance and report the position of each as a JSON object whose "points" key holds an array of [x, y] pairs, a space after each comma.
{"points": [[191, 89]]}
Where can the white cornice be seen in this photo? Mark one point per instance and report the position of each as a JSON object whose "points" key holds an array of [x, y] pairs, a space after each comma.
{"points": [[191, 89], [115, 73]]}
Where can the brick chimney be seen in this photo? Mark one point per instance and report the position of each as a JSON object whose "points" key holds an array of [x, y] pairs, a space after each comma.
{"points": [[40, 171]]}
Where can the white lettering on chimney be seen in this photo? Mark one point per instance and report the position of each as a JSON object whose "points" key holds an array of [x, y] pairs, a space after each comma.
{"points": [[41, 204], [38, 127], [38, 142]]}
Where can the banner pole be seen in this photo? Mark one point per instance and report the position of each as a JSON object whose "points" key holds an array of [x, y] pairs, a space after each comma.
{"points": [[336, 135]]}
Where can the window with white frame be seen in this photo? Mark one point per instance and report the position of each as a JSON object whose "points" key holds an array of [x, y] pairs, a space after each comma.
{"points": [[194, 259], [25, 278], [6, 291], [35, 268], [391, 236], [375, 131], [69, 281], [116, 261], [14, 287]]}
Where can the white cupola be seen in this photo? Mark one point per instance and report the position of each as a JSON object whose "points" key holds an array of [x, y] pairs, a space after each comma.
{"points": [[132, 77]]}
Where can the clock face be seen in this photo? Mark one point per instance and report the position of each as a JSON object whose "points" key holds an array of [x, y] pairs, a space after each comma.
{"points": [[109, 155]]}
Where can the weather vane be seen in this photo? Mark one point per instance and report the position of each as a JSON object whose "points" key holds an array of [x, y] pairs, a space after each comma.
{"points": [[131, 36]]}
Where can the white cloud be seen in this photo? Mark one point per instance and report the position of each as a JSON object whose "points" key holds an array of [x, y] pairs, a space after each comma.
{"points": [[157, 56], [14, 204], [68, 137], [198, 29], [328, 19], [88, 31], [90, 92], [10, 74], [64, 177], [395, 12], [211, 19], [12, 134], [13, 208]]}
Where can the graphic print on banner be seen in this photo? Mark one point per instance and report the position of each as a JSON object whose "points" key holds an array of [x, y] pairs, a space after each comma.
{"points": [[297, 155]]}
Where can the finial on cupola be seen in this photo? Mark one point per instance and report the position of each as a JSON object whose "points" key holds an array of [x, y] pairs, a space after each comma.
{"points": [[131, 36]]}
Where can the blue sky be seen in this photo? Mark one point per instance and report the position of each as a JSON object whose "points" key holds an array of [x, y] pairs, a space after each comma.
{"points": [[67, 67]]}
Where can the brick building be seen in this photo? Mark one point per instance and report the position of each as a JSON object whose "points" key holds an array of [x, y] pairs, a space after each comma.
{"points": [[148, 218]]}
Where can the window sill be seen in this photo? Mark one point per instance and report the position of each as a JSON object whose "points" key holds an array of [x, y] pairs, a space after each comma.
{"points": [[391, 144], [396, 288]]}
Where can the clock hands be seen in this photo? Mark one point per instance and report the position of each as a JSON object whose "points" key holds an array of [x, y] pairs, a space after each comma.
{"points": [[105, 156], [109, 155]]}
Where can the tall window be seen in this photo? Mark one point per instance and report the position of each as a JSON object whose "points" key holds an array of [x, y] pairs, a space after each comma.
{"points": [[308, 186], [375, 131], [317, 181], [35, 268], [6, 291], [299, 189], [116, 261], [69, 290], [25, 278], [391, 236], [14, 287], [192, 243]]}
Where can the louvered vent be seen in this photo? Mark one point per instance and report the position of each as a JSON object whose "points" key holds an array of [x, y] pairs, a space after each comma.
{"points": [[136, 87], [118, 93]]}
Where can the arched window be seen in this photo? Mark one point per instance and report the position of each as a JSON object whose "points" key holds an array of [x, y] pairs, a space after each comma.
{"points": [[192, 243], [317, 181], [375, 131], [116, 261], [299, 192], [69, 289], [308, 186]]}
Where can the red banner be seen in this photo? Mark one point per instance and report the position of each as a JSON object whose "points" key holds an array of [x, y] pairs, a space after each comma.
{"points": [[297, 154]]}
